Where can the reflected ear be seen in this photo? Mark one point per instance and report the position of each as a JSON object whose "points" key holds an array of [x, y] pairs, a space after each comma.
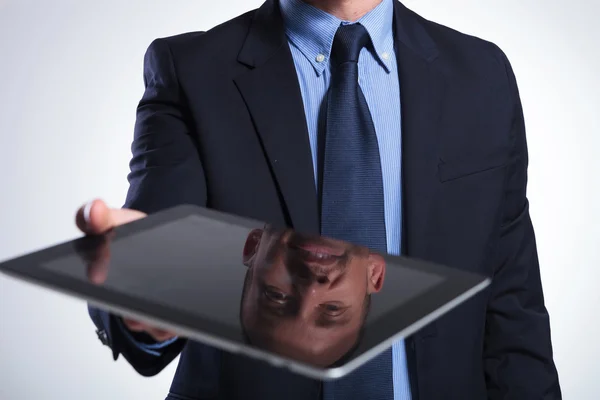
{"points": [[376, 273], [251, 246]]}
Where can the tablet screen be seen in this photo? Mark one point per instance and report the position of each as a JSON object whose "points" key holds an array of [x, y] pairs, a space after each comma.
{"points": [[307, 298]]}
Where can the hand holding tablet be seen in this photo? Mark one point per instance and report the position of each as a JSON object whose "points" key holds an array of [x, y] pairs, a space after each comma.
{"points": [[96, 218]]}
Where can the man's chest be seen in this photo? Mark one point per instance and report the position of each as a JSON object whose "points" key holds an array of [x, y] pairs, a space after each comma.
{"points": [[443, 155]]}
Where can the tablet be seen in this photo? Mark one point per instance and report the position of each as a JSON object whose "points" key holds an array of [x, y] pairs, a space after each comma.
{"points": [[318, 306]]}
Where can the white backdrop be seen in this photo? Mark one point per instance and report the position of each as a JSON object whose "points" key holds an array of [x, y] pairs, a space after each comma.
{"points": [[71, 77]]}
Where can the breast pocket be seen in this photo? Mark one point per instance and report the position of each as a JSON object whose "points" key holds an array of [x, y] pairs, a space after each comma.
{"points": [[466, 209], [467, 166]]}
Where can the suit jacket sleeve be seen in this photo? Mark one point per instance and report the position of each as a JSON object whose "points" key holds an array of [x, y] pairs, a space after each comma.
{"points": [[166, 171], [518, 355]]}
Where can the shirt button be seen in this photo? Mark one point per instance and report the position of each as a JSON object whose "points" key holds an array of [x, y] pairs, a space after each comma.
{"points": [[320, 58], [385, 56]]}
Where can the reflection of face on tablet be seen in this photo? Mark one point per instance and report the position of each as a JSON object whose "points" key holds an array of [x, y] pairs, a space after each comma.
{"points": [[306, 297]]}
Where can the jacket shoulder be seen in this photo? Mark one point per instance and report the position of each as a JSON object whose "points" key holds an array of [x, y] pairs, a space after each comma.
{"points": [[222, 39], [459, 51]]}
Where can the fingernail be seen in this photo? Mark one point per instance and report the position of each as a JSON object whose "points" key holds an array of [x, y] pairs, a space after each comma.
{"points": [[86, 211]]}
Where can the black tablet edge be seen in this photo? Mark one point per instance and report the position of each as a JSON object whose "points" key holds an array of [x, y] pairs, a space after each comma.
{"points": [[35, 273]]}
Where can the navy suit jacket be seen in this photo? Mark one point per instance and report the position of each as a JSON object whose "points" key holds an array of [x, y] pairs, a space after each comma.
{"points": [[221, 124]]}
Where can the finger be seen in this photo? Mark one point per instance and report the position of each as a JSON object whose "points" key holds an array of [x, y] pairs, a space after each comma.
{"points": [[122, 216], [93, 217], [96, 217]]}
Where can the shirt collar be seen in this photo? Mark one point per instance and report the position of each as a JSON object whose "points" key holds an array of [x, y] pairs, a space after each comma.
{"points": [[312, 31]]}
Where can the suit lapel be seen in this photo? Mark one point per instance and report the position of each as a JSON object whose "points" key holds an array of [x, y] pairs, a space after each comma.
{"points": [[422, 89], [272, 94], [273, 97]]}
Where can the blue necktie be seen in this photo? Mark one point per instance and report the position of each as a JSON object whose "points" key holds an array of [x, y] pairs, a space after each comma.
{"points": [[352, 202]]}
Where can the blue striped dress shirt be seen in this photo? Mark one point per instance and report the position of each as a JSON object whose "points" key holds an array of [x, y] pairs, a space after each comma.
{"points": [[310, 33]]}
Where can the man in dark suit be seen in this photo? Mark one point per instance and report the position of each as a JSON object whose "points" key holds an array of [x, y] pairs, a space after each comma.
{"points": [[328, 116]]}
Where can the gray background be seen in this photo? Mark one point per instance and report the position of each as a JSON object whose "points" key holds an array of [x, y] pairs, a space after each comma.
{"points": [[70, 81]]}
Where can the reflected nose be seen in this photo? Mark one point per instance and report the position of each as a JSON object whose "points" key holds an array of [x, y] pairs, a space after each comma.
{"points": [[305, 277], [313, 288], [306, 273]]}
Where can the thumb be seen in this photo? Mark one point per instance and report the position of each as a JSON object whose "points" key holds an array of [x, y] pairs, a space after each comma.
{"points": [[96, 217]]}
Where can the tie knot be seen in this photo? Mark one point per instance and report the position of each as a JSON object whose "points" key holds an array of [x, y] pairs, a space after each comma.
{"points": [[348, 42]]}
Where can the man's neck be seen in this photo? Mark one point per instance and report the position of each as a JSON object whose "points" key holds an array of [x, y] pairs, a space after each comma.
{"points": [[347, 10]]}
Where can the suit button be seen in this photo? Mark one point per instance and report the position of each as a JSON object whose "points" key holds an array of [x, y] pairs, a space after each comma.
{"points": [[102, 335]]}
